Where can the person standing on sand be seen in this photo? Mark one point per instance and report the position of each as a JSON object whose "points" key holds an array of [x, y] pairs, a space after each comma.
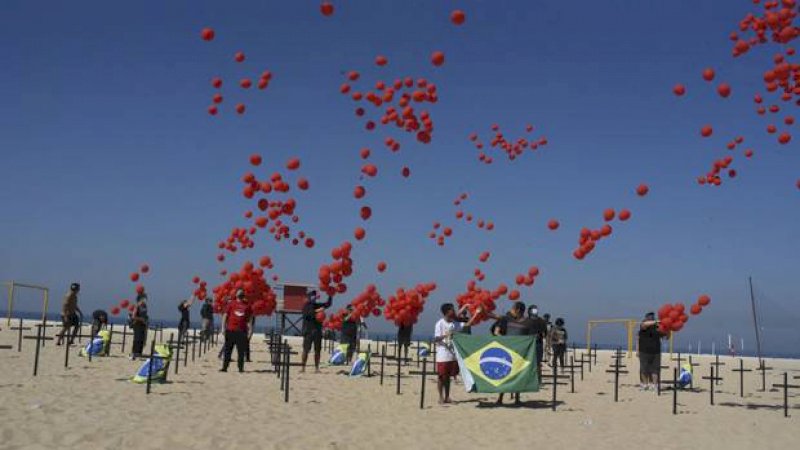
{"points": [[514, 324], [237, 321], [350, 333], [207, 314], [446, 364], [183, 325], [312, 328], [557, 337], [70, 315], [404, 333], [540, 331], [649, 352], [139, 321]]}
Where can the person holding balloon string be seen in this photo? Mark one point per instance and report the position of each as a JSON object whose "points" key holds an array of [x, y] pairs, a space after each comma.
{"points": [[207, 316], [350, 325], [183, 325], [313, 316], [650, 335], [237, 323], [138, 323]]}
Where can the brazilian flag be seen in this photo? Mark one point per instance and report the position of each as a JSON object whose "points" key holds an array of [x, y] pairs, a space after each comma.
{"points": [[497, 363]]}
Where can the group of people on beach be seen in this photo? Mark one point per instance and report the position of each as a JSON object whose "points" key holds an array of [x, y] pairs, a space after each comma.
{"points": [[548, 337], [238, 327]]}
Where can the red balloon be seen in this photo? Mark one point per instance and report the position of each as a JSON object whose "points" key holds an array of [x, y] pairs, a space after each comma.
{"points": [[238, 56], [706, 131], [608, 215], [624, 215], [212, 110], [255, 159], [359, 233], [293, 164], [240, 108], [217, 98], [309, 243], [139, 289], [437, 58], [708, 74], [513, 295], [365, 152], [381, 266], [695, 309], [381, 60], [145, 268], [484, 256], [784, 138], [245, 83], [370, 170], [359, 192], [366, 212], [458, 17], [642, 190], [406, 172], [679, 90], [704, 300], [135, 277], [207, 34], [216, 82], [553, 224], [302, 184], [724, 90], [326, 8], [124, 303], [114, 311]]}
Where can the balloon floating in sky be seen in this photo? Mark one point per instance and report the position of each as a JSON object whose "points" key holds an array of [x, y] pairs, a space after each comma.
{"points": [[326, 8], [207, 34], [458, 17]]}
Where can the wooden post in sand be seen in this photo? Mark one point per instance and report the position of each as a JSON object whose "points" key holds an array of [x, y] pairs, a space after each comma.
{"points": [[711, 381], [398, 372], [617, 366], [194, 342], [185, 349], [786, 386], [383, 364], [424, 374], [177, 352], [369, 360], [124, 335], [716, 365], [762, 367], [66, 355], [20, 328], [741, 371], [36, 357], [288, 359], [150, 365]]}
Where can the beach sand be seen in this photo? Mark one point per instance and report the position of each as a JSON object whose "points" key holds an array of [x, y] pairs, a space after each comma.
{"points": [[93, 405]]}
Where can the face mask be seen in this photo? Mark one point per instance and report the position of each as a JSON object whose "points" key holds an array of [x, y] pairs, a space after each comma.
{"points": [[534, 311]]}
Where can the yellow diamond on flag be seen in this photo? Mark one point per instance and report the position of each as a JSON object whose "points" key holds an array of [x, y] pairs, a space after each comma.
{"points": [[495, 363]]}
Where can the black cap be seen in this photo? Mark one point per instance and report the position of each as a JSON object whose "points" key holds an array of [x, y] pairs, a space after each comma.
{"points": [[75, 287], [650, 314]]}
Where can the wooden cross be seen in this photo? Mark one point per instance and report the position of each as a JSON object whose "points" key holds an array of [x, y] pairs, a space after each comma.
{"points": [[658, 381], [21, 329], [741, 371], [716, 365], [583, 361], [572, 368], [424, 372], [675, 382], [617, 366], [711, 380], [679, 360], [40, 338], [762, 367], [692, 365], [555, 377], [786, 386]]}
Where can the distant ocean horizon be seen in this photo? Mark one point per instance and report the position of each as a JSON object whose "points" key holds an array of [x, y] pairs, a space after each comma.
{"points": [[122, 319]]}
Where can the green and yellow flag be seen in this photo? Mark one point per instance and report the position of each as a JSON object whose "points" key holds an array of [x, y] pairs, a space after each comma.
{"points": [[497, 363]]}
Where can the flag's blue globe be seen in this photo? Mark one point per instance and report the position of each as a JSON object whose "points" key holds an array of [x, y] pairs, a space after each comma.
{"points": [[495, 363]]}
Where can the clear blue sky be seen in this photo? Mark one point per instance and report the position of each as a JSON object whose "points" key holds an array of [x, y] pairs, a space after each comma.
{"points": [[109, 158]]}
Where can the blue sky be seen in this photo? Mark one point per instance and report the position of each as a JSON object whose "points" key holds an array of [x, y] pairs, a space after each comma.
{"points": [[109, 158]]}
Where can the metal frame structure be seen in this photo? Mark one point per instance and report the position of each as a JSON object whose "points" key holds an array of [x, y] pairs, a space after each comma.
{"points": [[12, 285], [630, 326]]}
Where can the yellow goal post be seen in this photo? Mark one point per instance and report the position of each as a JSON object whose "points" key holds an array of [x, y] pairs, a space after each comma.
{"points": [[13, 286], [630, 327]]}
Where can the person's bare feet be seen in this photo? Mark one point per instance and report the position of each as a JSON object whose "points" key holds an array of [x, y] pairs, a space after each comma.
{"points": [[441, 402], [448, 401], [317, 370], [303, 370]]}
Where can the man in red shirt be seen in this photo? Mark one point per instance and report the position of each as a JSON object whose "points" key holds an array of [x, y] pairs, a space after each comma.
{"points": [[237, 321]]}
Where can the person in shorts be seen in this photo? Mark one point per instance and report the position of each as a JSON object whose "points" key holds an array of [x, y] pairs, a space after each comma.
{"points": [[404, 333], [312, 328], [446, 364], [649, 352], [70, 315]]}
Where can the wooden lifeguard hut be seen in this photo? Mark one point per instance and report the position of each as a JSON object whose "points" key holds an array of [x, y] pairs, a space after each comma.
{"points": [[292, 297]]}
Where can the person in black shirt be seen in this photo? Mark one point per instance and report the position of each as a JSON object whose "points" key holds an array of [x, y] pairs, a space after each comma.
{"points": [[312, 328], [99, 321], [207, 314], [649, 351], [183, 325], [350, 333], [139, 321], [404, 333]]}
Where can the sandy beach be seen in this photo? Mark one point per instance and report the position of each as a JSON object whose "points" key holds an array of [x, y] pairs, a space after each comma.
{"points": [[93, 405]]}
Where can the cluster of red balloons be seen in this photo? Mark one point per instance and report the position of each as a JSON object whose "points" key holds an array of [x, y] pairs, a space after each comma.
{"points": [[331, 276], [673, 317], [397, 100], [208, 34], [367, 302], [200, 291], [480, 301], [250, 279], [512, 148], [403, 308], [273, 210], [588, 239]]}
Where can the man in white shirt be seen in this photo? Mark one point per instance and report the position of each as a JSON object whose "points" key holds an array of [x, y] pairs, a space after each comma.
{"points": [[446, 364]]}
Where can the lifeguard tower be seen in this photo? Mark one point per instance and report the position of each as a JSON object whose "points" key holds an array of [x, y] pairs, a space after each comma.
{"points": [[292, 297]]}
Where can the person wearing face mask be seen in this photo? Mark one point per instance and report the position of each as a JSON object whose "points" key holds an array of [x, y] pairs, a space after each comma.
{"points": [[538, 329], [237, 323]]}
